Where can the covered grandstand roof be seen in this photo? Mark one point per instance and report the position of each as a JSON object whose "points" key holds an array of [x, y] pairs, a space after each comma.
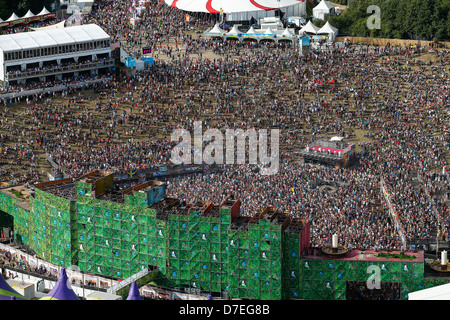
{"points": [[46, 38], [229, 6]]}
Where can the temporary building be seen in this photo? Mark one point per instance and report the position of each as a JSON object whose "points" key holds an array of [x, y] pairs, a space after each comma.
{"points": [[134, 292], [308, 28], [7, 293], [241, 10], [322, 10], [61, 290], [29, 14], [216, 31], [13, 17], [234, 32], [43, 12], [328, 30]]}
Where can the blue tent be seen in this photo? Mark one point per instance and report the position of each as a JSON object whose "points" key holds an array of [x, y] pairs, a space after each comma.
{"points": [[61, 291], [148, 61], [134, 292], [7, 293]]}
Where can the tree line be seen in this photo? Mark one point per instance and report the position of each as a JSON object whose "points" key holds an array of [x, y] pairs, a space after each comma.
{"points": [[399, 19]]}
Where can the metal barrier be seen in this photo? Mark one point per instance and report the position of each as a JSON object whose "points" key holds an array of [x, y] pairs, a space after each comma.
{"points": [[392, 213]]}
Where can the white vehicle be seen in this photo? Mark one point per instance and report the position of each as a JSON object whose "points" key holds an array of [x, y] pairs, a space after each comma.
{"points": [[298, 21]]}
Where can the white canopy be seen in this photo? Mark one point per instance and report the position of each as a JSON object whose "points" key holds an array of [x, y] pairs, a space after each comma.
{"points": [[43, 12], [234, 31], [286, 32], [44, 38], [29, 14], [309, 28], [269, 31], [322, 10], [329, 30], [13, 17], [217, 30], [323, 5], [336, 138], [251, 30], [229, 6]]}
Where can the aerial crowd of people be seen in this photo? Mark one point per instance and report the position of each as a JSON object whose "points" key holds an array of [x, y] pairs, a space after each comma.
{"points": [[389, 100]]}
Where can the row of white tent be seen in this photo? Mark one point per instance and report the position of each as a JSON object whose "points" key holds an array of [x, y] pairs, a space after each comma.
{"points": [[308, 29], [217, 31], [311, 29], [29, 14]]}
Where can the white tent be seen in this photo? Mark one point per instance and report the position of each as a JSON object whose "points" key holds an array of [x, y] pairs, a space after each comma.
{"points": [[329, 30], [441, 292], [233, 32], [43, 12], [29, 14], [251, 33], [287, 33], [309, 28], [322, 10], [269, 31], [13, 17], [241, 10], [228, 6], [216, 31], [251, 30]]}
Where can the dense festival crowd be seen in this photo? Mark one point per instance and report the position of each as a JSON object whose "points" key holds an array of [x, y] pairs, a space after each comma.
{"points": [[392, 103]]}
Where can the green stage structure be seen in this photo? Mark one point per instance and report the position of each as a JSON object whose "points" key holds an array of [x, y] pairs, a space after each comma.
{"points": [[107, 230]]}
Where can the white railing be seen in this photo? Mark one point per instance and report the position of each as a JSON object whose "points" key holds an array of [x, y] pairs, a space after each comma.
{"points": [[127, 281], [58, 70]]}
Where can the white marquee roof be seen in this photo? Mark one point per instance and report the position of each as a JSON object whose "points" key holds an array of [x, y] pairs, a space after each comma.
{"points": [[234, 31], [309, 27], [327, 28], [43, 12], [45, 38], [286, 32], [29, 14], [13, 17], [229, 6], [251, 30], [323, 5], [217, 29]]}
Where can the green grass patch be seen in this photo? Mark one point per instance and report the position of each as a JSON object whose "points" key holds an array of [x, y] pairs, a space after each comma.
{"points": [[395, 256], [17, 193]]}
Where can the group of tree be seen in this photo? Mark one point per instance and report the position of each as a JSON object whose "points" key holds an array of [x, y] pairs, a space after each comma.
{"points": [[20, 8], [399, 19]]}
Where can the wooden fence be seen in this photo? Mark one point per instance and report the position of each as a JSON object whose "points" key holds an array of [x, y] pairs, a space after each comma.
{"points": [[383, 41]]}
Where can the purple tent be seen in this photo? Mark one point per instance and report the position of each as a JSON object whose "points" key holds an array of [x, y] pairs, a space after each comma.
{"points": [[61, 290], [6, 292], [209, 297], [134, 292]]}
